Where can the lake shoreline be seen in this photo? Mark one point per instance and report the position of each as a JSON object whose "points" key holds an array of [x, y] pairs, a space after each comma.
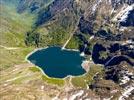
{"points": [[71, 76]]}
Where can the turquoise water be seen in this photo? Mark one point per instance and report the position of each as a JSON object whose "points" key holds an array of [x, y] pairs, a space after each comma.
{"points": [[58, 63]]}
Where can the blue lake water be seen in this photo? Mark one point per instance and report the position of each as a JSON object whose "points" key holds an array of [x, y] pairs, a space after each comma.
{"points": [[58, 63]]}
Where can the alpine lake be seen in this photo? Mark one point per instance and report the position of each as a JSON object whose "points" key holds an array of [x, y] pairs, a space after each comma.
{"points": [[58, 63]]}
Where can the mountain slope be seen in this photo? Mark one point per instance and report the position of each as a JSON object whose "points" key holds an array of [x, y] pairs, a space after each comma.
{"points": [[14, 26], [97, 28]]}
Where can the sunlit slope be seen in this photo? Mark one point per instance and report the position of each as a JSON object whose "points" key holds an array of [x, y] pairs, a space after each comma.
{"points": [[13, 26]]}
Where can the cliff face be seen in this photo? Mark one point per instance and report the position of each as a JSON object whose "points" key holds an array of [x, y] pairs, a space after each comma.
{"points": [[88, 12]]}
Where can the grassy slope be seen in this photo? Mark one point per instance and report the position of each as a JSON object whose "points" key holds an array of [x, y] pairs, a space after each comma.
{"points": [[73, 43], [22, 82], [82, 81], [13, 27], [58, 82], [12, 31]]}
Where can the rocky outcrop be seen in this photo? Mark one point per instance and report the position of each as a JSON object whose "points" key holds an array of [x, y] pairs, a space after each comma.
{"points": [[32, 5], [85, 26], [105, 89], [89, 14], [128, 18], [118, 72], [54, 9]]}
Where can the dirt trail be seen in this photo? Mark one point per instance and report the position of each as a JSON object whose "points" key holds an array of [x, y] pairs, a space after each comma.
{"points": [[71, 34], [67, 42], [9, 48]]}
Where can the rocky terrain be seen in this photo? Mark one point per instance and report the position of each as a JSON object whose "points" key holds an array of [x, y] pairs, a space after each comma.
{"points": [[102, 30]]}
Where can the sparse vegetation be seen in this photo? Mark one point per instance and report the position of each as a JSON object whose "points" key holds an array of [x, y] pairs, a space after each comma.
{"points": [[73, 43], [13, 26], [54, 81], [58, 36], [32, 38], [83, 81], [103, 54], [34, 69], [11, 57]]}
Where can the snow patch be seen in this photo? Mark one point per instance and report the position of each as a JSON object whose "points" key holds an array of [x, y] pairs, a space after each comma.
{"points": [[42, 87], [73, 97], [88, 99], [123, 14], [56, 98], [92, 37], [82, 54], [96, 6], [126, 78], [126, 93], [108, 98], [126, 12]]}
